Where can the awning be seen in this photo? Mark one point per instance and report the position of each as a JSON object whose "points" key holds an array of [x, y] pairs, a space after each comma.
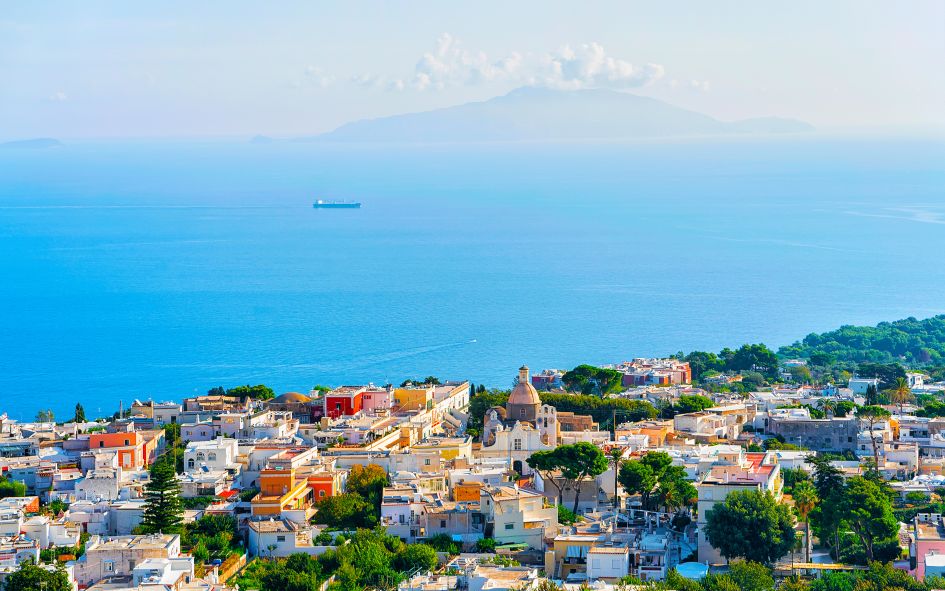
{"points": [[576, 552]]}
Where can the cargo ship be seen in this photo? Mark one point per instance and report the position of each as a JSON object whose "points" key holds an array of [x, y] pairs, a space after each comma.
{"points": [[323, 204]]}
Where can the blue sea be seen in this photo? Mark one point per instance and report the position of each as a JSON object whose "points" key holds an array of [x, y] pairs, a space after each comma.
{"points": [[159, 269]]}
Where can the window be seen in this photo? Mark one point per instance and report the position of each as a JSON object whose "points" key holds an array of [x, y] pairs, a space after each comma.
{"points": [[517, 445], [101, 444], [509, 526], [521, 412], [442, 524], [212, 456], [190, 463], [280, 538], [127, 442], [426, 462], [109, 566], [321, 493]]}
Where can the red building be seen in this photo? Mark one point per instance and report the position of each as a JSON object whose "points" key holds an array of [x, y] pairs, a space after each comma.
{"points": [[344, 401]]}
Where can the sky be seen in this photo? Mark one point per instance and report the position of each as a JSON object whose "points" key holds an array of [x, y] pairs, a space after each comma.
{"points": [[97, 69]]}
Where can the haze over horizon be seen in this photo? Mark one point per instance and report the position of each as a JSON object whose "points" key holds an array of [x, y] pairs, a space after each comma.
{"points": [[106, 69]]}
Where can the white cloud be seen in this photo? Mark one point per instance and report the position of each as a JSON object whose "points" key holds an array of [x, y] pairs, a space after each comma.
{"points": [[589, 66], [319, 77], [59, 97], [450, 64]]}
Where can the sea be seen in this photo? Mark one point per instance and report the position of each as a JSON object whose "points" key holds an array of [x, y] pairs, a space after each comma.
{"points": [[158, 269]]}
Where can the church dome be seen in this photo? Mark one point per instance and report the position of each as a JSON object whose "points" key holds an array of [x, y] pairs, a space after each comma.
{"points": [[290, 397], [524, 394]]}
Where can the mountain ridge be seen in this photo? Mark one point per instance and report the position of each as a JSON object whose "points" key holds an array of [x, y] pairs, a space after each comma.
{"points": [[534, 113]]}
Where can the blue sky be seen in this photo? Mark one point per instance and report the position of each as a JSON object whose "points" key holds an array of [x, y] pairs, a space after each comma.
{"points": [[107, 69]]}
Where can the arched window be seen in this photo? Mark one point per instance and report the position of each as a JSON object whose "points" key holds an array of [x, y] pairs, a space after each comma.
{"points": [[212, 456], [521, 412], [190, 463]]}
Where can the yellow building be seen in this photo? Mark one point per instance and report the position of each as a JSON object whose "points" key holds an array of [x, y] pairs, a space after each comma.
{"points": [[413, 398]]}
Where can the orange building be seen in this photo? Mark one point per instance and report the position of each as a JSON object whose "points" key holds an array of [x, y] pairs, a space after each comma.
{"points": [[128, 446], [467, 492], [325, 484], [280, 490]]}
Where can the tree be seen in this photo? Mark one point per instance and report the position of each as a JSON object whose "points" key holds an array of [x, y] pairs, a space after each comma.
{"points": [[752, 525], [591, 380], [873, 415], [638, 478], [800, 374], [615, 456], [11, 488], [216, 391], [416, 556], [827, 405], [805, 499], [575, 462], [545, 462], [872, 394], [702, 362], [694, 403], [45, 416], [30, 577], [257, 392], [751, 576], [79, 413], [369, 482], [345, 511], [901, 393], [657, 481], [868, 510], [163, 510]]}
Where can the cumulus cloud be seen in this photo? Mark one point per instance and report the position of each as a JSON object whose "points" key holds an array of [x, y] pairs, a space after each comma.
{"points": [[450, 64], [59, 97], [589, 66], [318, 76]]}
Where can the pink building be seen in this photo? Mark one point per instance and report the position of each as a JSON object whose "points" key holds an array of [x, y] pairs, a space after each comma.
{"points": [[376, 399], [928, 545]]}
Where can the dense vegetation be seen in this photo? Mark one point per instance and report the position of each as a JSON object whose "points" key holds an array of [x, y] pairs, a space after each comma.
{"points": [[588, 379], [757, 358], [910, 341], [601, 409], [659, 483], [751, 576], [360, 506], [371, 559], [257, 392]]}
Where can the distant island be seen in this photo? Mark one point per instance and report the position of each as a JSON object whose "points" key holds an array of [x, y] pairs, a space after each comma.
{"points": [[32, 144], [531, 113]]}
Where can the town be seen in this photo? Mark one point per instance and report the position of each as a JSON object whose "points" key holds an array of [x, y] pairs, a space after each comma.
{"points": [[669, 473]]}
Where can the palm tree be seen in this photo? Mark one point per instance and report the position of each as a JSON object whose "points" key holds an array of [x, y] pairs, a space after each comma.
{"points": [[805, 498], [901, 394], [828, 405], [615, 456]]}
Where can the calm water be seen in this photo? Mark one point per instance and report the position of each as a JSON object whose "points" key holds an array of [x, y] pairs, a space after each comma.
{"points": [[161, 269]]}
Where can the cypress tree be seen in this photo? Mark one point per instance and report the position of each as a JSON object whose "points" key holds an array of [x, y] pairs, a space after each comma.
{"points": [[79, 413], [163, 511]]}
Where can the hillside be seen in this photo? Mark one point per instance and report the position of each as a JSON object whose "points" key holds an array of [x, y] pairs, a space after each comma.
{"points": [[31, 144], [908, 341], [529, 114]]}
